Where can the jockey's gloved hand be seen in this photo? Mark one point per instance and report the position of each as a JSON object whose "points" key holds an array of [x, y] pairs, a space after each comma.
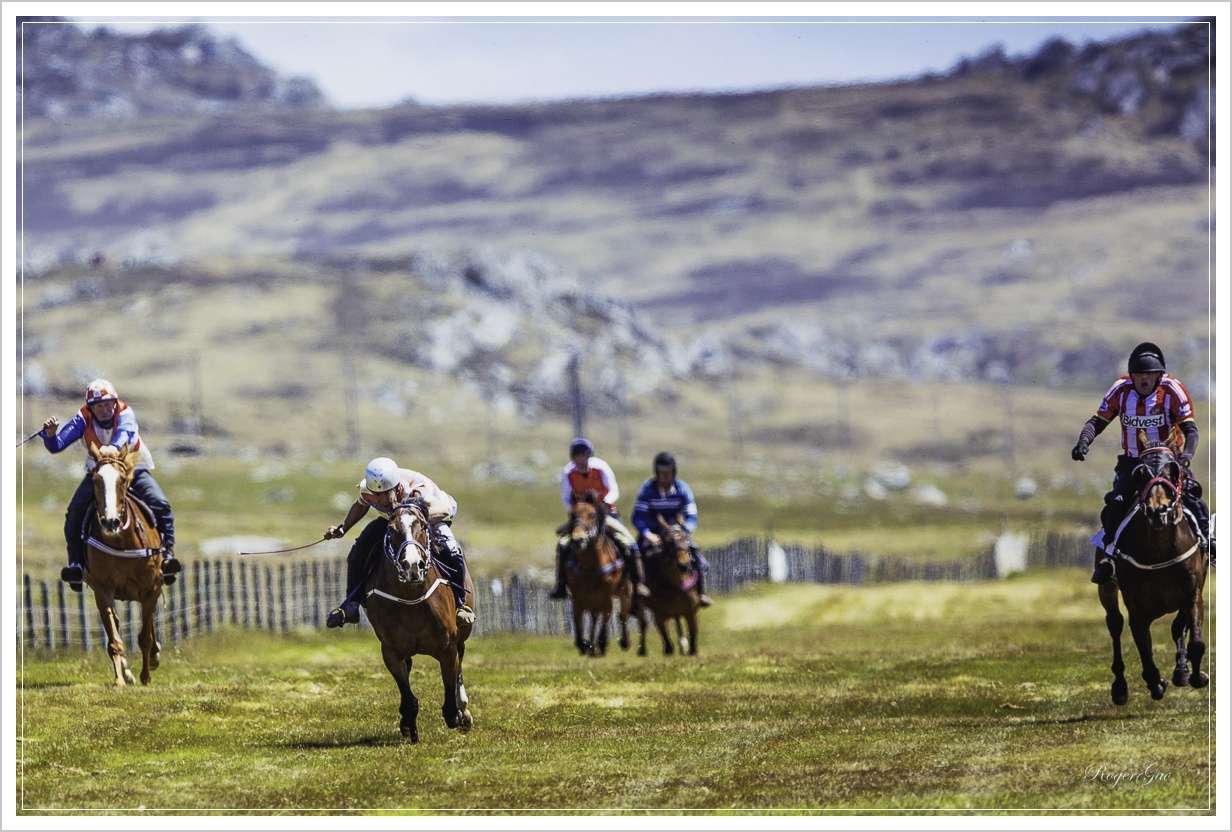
{"points": [[1079, 453], [1186, 459]]}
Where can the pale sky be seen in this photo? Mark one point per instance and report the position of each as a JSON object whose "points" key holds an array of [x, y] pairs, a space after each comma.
{"points": [[361, 62]]}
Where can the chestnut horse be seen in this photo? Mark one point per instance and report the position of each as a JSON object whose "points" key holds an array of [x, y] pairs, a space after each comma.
{"points": [[1160, 569], [124, 557], [413, 612], [594, 577], [672, 580]]}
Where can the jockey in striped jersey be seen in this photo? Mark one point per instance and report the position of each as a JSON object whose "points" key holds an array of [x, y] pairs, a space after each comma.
{"points": [[383, 488], [107, 420], [1151, 400], [668, 496], [589, 473]]}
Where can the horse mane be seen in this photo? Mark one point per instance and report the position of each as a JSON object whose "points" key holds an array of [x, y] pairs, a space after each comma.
{"points": [[416, 502]]}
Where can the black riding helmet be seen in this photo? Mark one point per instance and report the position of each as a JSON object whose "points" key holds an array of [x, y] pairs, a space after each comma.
{"points": [[665, 460], [1147, 358]]}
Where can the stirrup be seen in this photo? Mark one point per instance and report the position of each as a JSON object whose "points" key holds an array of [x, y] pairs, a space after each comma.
{"points": [[466, 615], [345, 613], [705, 600]]}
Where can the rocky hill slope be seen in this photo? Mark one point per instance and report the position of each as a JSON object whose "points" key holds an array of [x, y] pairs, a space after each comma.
{"points": [[64, 71], [1011, 221]]}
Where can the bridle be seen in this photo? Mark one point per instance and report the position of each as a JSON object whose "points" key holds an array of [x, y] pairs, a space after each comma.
{"points": [[675, 538], [590, 533], [1173, 512], [122, 510], [395, 551]]}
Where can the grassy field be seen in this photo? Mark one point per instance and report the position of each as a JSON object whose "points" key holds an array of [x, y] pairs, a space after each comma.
{"points": [[986, 698]]}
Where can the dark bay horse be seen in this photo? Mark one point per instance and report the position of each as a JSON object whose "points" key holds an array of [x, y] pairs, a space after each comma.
{"points": [[595, 578], [672, 580], [123, 558], [413, 612], [1159, 570]]}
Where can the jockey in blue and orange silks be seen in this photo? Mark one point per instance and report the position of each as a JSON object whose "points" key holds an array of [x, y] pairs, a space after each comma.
{"points": [[1150, 399], [383, 488], [586, 472], [107, 420]]}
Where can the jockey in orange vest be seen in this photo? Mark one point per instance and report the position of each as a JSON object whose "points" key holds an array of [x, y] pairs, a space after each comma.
{"points": [[1151, 400], [106, 420], [585, 473], [383, 488]]}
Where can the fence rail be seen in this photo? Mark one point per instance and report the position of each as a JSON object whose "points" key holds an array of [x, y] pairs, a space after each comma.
{"points": [[217, 593]]}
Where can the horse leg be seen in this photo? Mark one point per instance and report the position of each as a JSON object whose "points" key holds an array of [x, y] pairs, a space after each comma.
{"points": [[1197, 647], [105, 601], [145, 640], [400, 669], [1141, 631], [625, 610], [579, 636], [603, 621], [1180, 629], [641, 623], [465, 720], [661, 625], [1116, 624], [451, 669], [680, 639], [692, 620]]}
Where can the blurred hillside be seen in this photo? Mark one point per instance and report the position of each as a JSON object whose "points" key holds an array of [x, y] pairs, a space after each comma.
{"points": [[263, 272]]}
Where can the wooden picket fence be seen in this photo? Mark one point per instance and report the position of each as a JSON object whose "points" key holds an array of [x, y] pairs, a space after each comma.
{"points": [[218, 593]]}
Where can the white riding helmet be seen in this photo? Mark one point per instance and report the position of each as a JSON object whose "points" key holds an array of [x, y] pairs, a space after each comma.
{"points": [[100, 390], [382, 474]]}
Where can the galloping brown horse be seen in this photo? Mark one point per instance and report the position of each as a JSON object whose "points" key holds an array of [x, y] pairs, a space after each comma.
{"points": [[123, 558], [1159, 570], [413, 613], [594, 578], [672, 581]]}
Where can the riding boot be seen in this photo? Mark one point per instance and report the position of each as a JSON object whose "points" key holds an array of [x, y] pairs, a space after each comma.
{"points": [[560, 592], [1110, 519], [360, 561], [171, 565], [637, 571], [701, 566], [455, 561], [74, 533]]}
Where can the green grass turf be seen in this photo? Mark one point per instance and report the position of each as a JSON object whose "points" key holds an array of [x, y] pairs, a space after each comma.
{"points": [[988, 698]]}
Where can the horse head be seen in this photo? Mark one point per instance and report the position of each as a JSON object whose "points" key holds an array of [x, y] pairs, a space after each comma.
{"points": [[1159, 479], [676, 543], [113, 471], [586, 520], [406, 541]]}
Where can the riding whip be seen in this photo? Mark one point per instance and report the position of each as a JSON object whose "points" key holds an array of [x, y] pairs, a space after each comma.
{"points": [[280, 551], [38, 432]]}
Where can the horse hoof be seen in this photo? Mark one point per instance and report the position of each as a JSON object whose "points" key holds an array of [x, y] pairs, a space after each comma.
{"points": [[1198, 680], [641, 651], [624, 644], [410, 733], [1157, 690], [1120, 693], [1180, 679], [465, 723]]}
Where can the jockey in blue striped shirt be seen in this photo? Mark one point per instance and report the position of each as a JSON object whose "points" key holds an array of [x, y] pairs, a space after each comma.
{"points": [[665, 494]]}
